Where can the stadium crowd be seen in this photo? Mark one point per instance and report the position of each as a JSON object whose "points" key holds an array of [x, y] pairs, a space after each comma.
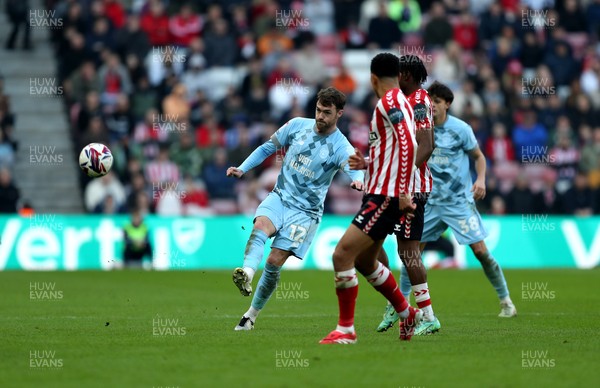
{"points": [[181, 91]]}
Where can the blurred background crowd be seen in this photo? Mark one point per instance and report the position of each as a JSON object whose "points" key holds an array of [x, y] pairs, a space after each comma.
{"points": [[180, 91]]}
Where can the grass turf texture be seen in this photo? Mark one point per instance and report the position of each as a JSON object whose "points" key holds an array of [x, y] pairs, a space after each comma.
{"points": [[474, 348]]}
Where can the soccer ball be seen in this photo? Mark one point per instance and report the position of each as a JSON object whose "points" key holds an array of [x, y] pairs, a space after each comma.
{"points": [[95, 160]]}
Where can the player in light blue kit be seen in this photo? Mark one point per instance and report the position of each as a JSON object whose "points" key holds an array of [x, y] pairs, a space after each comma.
{"points": [[452, 200], [291, 213]]}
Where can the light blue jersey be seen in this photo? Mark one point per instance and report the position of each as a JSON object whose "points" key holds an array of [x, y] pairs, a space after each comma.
{"points": [[451, 201], [310, 163], [449, 163]]}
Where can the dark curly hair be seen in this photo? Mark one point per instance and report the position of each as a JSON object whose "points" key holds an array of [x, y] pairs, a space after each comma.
{"points": [[414, 66]]}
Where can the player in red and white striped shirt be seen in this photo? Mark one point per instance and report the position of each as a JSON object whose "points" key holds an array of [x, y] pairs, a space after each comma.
{"points": [[388, 198], [390, 170], [412, 75], [423, 108]]}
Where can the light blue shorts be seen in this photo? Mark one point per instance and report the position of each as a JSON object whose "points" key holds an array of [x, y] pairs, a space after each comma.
{"points": [[295, 229], [463, 218]]}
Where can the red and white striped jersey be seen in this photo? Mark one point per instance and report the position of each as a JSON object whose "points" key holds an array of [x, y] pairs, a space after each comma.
{"points": [[392, 146], [423, 110]]}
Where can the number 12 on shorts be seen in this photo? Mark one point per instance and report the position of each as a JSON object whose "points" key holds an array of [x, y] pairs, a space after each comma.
{"points": [[298, 233]]}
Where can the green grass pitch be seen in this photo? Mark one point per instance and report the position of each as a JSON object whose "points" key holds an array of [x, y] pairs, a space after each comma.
{"points": [[153, 329]]}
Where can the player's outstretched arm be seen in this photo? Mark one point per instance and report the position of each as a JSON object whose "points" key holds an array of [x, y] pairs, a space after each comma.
{"points": [[478, 188], [357, 161], [356, 174], [254, 159]]}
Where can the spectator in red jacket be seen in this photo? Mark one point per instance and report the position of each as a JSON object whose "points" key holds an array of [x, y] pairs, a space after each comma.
{"points": [[185, 26], [155, 23], [499, 147], [210, 134], [115, 12], [195, 198], [465, 32]]}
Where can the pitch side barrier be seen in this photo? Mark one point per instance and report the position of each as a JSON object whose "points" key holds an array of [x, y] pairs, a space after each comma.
{"points": [[90, 242]]}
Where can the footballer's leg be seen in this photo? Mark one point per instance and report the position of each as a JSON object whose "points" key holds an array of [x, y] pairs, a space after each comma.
{"points": [[409, 237], [242, 276], [466, 223], [358, 238], [358, 249], [417, 274], [346, 282], [266, 286], [268, 219], [382, 279], [494, 273], [293, 238], [390, 317], [413, 272], [413, 276], [365, 250]]}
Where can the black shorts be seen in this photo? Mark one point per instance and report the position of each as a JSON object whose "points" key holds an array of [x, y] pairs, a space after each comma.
{"points": [[412, 228], [380, 215]]}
